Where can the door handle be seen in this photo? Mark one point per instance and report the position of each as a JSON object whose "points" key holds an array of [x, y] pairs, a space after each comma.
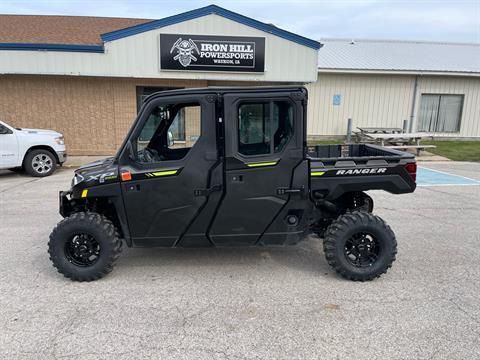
{"points": [[283, 191], [132, 187], [206, 192], [237, 178]]}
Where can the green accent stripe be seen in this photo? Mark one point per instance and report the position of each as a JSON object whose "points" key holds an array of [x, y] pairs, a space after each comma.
{"points": [[317, 173], [268, 163], [162, 173]]}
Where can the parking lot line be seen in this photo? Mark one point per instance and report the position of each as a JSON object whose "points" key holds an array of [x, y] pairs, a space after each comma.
{"points": [[431, 177]]}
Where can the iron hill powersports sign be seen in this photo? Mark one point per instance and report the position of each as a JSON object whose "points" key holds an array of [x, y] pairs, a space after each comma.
{"points": [[212, 53]]}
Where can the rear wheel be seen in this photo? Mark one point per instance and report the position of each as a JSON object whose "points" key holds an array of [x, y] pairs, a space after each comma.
{"points": [[351, 202], [360, 246], [40, 163], [84, 246]]}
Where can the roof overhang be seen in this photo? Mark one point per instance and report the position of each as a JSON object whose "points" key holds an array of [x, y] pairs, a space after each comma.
{"points": [[207, 10], [52, 47]]}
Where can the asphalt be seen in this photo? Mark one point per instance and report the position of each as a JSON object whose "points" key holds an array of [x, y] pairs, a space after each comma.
{"points": [[250, 303]]}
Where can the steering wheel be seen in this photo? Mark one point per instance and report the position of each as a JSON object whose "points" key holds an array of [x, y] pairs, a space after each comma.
{"points": [[151, 156]]}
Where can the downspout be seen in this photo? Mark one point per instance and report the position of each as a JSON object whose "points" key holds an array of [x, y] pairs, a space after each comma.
{"points": [[414, 103]]}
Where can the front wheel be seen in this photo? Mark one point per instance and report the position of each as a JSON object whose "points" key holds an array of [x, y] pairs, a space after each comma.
{"points": [[360, 246], [40, 163], [84, 246]]}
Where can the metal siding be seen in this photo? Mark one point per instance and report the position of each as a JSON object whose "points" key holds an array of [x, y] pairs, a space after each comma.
{"points": [[138, 56], [384, 100], [369, 100]]}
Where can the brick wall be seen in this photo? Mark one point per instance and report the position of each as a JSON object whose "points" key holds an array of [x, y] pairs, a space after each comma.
{"points": [[94, 114], [192, 125]]}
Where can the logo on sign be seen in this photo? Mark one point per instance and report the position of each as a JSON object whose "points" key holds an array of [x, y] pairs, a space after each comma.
{"points": [[185, 50], [211, 53]]}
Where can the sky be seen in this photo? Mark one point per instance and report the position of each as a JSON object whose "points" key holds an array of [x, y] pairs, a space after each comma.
{"points": [[440, 20]]}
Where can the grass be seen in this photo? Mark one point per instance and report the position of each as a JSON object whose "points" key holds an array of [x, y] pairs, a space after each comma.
{"points": [[324, 142], [456, 150]]}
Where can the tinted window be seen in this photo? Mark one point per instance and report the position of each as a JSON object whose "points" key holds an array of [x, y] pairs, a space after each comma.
{"points": [[282, 124], [4, 129], [254, 129], [264, 127]]}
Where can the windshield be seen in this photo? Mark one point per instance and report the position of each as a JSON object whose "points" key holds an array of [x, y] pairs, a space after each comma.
{"points": [[169, 132], [8, 126]]}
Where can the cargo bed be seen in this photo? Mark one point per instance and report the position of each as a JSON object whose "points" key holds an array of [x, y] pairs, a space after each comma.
{"points": [[360, 153], [339, 169]]}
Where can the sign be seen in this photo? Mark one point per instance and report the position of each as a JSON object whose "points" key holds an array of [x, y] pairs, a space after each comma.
{"points": [[337, 99], [212, 53]]}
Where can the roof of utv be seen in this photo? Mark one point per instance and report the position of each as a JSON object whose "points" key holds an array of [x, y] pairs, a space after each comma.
{"points": [[226, 90]]}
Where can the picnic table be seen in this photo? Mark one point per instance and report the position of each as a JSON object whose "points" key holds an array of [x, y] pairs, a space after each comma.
{"points": [[400, 140], [379, 130], [362, 135]]}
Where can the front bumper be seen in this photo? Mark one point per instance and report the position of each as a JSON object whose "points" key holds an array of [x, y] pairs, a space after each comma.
{"points": [[65, 205], [62, 156]]}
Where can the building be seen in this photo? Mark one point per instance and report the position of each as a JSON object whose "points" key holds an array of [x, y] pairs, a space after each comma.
{"points": [[86, 76], [434, 86]]}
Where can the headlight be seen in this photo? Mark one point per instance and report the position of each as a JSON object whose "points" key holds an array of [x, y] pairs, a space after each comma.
{"points": [[77, 179], [60, 140]]}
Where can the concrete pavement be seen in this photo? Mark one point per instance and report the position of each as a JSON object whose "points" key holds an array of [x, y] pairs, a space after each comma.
{"points": [[251, 303]]}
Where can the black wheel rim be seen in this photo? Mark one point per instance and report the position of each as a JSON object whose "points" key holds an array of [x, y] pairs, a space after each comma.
{"points": [[362, 250], [82, 250]]}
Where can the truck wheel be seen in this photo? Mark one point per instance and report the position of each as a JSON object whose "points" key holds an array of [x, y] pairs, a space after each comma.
{"points": [[40, 163], [360, 246], [84, 246]]}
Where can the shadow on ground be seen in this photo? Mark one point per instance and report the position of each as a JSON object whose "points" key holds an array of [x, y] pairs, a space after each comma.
{"points": [[306, 257]]}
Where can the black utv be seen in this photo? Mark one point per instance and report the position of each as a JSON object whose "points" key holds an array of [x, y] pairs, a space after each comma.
{"points": [[229, 167]]}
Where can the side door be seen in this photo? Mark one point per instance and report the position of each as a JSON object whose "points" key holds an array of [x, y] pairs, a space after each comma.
{"points": [[8, 148], [263, 147], [169, 171]]}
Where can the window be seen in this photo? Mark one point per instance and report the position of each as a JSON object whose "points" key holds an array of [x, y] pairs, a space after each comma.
{"points": [[178, 126], [4, 130], [440, 113], [264, 127], [145, 91], [169, 133]]}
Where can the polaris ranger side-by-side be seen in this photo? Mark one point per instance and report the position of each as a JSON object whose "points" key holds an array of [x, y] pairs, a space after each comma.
{"points": [[229, 167]]}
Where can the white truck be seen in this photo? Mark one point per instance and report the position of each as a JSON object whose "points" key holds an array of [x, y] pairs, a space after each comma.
{"points": [[36, 151]]}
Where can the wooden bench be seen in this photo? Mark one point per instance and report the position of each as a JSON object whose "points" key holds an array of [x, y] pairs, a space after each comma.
{"points": [[417, 147]]}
